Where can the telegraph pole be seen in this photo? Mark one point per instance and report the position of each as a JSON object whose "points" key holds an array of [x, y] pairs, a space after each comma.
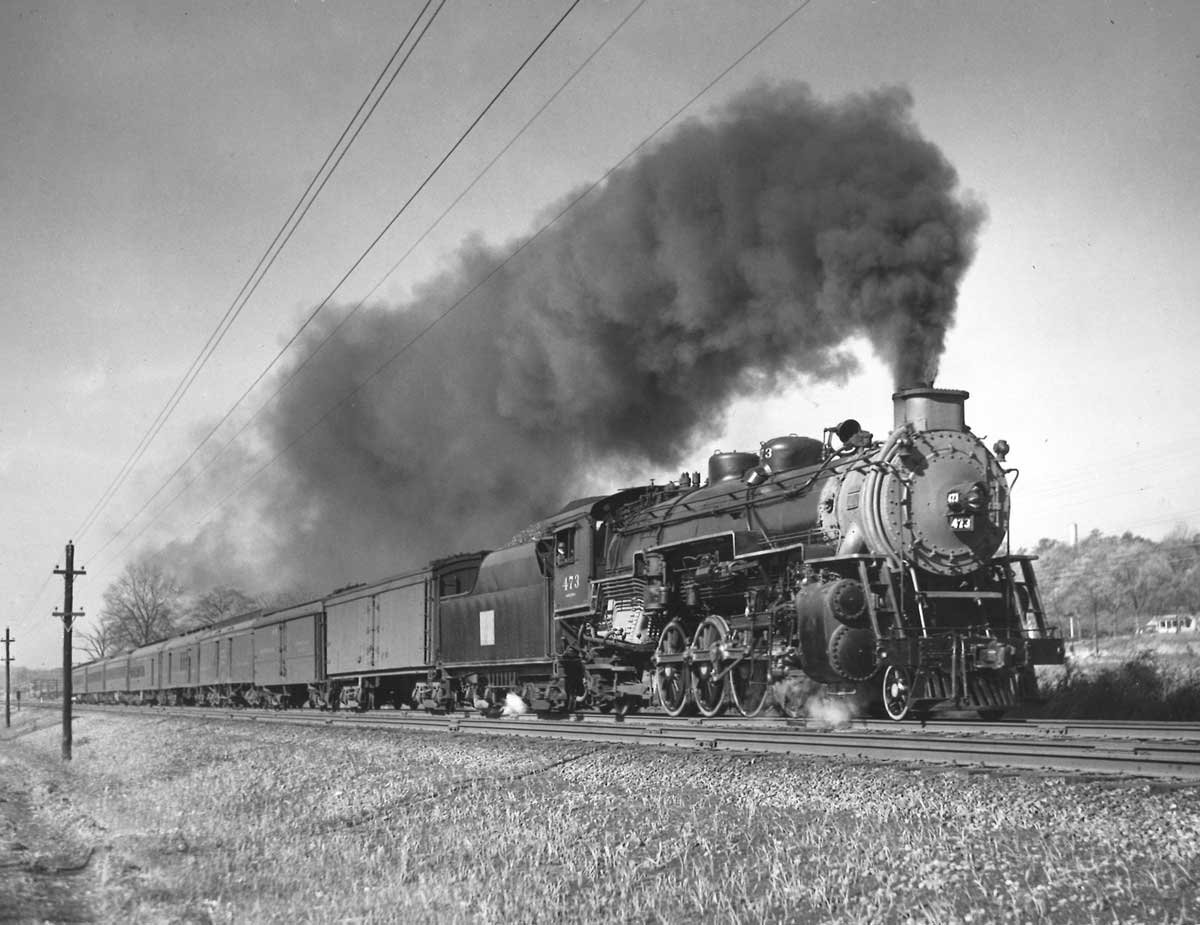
{"points": [[68, 617], [8, 641]]}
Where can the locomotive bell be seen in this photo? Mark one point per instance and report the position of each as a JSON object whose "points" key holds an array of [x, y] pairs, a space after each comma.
{"points": [[847, 430], [851, 434]]}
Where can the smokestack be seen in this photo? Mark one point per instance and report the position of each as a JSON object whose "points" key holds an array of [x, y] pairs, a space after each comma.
{"points": [[929, 409]]}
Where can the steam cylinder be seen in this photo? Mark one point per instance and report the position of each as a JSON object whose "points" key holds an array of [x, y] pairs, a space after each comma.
{"points": [[836, 644]]}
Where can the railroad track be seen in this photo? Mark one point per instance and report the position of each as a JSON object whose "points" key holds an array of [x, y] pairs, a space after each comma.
{"points": [[1159, 750]]}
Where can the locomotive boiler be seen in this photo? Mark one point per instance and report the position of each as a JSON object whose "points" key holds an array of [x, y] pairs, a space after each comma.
{"points": [[874, 568]]}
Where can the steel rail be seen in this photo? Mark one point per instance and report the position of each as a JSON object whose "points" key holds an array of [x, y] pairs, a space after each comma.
{"points": [[1060, 747]]}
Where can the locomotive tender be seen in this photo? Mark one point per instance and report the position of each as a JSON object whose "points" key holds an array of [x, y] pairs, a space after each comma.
{"points": [[876, 569]]}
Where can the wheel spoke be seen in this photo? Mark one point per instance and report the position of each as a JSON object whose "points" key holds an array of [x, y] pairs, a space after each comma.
{"points": [[897, 692], [750, 679], [670, 673], [709, 682]]}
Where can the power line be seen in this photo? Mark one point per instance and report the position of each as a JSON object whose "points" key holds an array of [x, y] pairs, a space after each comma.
{"points": [[332, 160], [265, 262], [379, 370], [345, 276]]}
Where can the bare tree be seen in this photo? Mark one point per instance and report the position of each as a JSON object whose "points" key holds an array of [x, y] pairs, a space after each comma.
{"points": [[220, 604], [97, 642], [140, 606]]}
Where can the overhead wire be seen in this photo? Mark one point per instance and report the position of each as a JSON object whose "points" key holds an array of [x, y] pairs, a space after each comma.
{"points": [[353, 311], [326, 170], [265, 262], [345, 276], [517, 251]]}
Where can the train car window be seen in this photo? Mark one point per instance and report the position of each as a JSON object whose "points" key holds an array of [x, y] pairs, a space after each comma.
{"points": [[564, 546], [450, 584]]}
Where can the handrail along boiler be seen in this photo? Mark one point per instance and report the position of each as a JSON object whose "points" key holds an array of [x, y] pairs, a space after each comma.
{"points": [[877, 569]]}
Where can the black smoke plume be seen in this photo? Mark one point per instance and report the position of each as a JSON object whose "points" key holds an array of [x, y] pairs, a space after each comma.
{"points": [[738, 255]]}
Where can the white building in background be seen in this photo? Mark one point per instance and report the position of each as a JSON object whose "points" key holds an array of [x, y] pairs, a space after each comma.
{"points": [[1174, 623]]}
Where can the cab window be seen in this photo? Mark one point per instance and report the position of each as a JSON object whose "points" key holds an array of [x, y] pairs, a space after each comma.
{"points": [[564, 546]]}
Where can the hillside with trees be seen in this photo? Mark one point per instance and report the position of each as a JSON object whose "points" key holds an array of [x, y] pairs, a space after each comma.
{"points": [[1112, 585]]}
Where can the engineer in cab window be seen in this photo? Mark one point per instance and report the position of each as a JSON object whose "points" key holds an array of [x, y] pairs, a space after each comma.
{"points": [[564, 548]]}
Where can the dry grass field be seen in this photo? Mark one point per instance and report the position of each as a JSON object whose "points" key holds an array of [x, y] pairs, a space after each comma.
{"points": [[180, 821]]}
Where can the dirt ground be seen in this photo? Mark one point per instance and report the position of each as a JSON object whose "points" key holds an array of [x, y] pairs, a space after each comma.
{"points": [[45, 872]]}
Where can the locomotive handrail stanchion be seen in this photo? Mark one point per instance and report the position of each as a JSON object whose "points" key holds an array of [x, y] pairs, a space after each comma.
{"points": [[918, 595], [1010, 485], [872, 611], [906, 500], [954, 670], [958, 663], [1035, 595]]}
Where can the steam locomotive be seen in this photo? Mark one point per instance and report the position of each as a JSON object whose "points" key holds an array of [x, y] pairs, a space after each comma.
{"points": [[871, 569]]}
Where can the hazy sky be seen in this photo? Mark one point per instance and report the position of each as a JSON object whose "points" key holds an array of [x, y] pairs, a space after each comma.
{"points": [[150, 151]]}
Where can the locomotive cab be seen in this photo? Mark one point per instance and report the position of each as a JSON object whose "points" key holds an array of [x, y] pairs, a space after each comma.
{"points": [[604, 627], [573, 558]]}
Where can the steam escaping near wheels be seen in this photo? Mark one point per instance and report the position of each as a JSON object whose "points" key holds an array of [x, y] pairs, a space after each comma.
{"points": [[800, 697], [513, 705]]}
